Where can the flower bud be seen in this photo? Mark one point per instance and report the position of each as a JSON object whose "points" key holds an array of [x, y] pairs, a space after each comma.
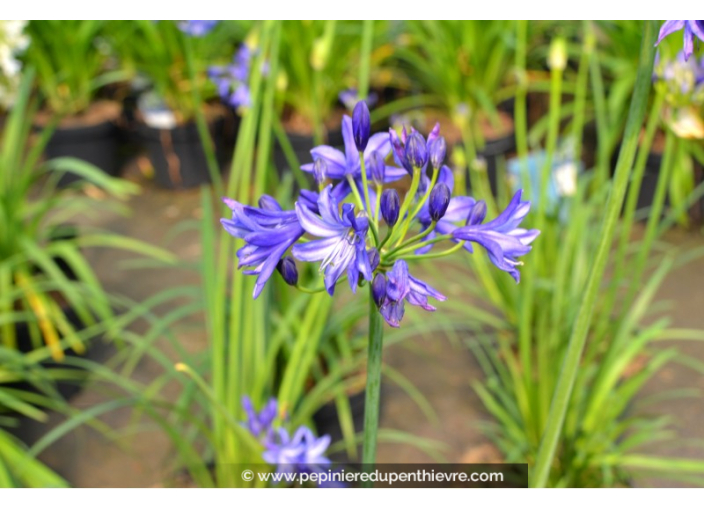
{"points": [[390, 205], [477, 214], [269, 203], [379, 289], [377, 167], [374, 258], [320, 170], [416, 152], [361, 125], [287, 268], [438, 201], [557, 57], [436, 151]]}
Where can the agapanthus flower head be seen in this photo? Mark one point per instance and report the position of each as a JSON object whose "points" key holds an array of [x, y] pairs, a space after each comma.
{"points": [[390, 206], [197, 28], [260, 424], [501, 237], [232, 80], [361, 125], [402, 287], [268, 232], [340, 225], [692, 29], [342, 244]]}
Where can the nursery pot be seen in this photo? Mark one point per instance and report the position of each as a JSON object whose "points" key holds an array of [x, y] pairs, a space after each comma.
{"points": [[494, 149], [327, 421], [177, 155], [94, 137], [67, 389]]}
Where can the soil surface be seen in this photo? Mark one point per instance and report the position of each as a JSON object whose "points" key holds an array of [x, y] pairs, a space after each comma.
{"points": [[97, 113]]}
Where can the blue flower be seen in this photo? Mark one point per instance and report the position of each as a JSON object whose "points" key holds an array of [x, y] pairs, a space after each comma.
{"points": [[457, 211], [342, 246], [340, 165], [302, 453], [501, 237], [350, 98], [692, 29], [197, 28], [402, 287], [232, 80], [411, 149], [259, 424], [681, 75], [268, 231]]}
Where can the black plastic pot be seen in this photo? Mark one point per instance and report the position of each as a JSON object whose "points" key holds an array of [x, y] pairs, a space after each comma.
{"points": [[327, 421], [99, 145], [177, 154], [493, 151], [67, 389], [302, 145]]}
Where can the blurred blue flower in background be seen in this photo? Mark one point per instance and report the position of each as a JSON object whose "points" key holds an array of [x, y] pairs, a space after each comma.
{"points": [[197, 28], [259, 424], [232, 81], [564, 174]]}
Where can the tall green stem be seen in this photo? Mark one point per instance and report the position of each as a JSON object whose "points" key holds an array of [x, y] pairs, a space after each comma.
{"points": [[373, 391], [570, 366], [201, 122], [365, 59]]}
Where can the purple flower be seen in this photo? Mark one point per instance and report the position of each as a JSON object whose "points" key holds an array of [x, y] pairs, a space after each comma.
{"points": [[340, 165], [377, 168], [437, 149], [287, 268], [232, 80], [411, 149], [501, 237], [458, 209], [682, 75], [401, 287], [390, 206], [350, 98], [361, 125], [301, 453], [342, 246], [197, 28], [259, 424], [268, 231], [438, 201], [692, 29], [379, 289]]}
